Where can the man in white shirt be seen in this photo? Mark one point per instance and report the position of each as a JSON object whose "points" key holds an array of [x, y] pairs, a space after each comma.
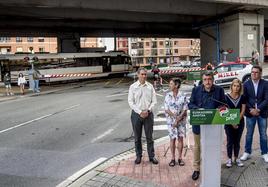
{"points": [[141, 99]]}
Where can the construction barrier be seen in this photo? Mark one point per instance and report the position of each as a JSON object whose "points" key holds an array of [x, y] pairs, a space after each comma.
{"points": [[190, 73], [68, 75]]}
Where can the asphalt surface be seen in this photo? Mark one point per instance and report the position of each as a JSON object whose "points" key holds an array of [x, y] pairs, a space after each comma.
{"points": [[47, 138]]}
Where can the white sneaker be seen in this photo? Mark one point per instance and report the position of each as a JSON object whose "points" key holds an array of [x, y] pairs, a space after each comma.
{"points": [[245, 156], [265, 157], [239, 163], [229, 163]]}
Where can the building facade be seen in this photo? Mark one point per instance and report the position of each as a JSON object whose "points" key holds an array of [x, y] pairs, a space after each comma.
{"points": [[12, 45], [146, 51], [86, 42], [122, 44]]}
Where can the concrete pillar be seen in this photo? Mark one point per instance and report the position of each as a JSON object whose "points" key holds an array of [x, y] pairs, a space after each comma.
{"points": [[68, 43], [242, 32]]}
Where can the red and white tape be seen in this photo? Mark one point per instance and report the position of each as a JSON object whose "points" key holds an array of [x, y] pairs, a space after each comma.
{"points": [[180, 70], [68, 75]]}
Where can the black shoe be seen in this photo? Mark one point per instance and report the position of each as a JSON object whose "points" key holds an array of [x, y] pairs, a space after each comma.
{"points": [[153, 160], [195, 175], [138, 160]]}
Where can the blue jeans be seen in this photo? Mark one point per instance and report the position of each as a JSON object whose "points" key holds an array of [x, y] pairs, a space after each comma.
{"points": [[36, 86], [262, 126]]}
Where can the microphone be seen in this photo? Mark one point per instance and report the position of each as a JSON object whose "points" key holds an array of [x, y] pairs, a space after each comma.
{"points": [[225, 104]]}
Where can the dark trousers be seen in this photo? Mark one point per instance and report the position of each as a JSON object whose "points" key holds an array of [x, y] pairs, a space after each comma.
{"points": [[233, 139], [137, 123]]}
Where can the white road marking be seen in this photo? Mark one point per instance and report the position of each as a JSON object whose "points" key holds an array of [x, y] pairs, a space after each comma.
{"points": [[159, 95], [160, 127], [161, 111], [109, 131], [37, 119], [119, 81], [81, 172], [115, 95], [160, 119]]}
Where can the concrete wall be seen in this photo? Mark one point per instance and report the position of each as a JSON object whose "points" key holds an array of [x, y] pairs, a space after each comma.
{"points": [[233, 35]]}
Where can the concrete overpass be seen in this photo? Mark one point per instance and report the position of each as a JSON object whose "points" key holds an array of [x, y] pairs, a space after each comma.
{"points": [[69, 20], [116, 17]]}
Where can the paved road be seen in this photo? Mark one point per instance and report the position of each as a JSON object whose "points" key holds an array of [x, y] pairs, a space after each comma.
{"points": [[45, 139]]}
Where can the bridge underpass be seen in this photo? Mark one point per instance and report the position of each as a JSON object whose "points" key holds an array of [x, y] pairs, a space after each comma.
{"points": [[219, 23]]}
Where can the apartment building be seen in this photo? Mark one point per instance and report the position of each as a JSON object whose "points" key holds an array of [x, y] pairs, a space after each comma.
{"points": [[11, 45], [86, 42], [146, 51]]}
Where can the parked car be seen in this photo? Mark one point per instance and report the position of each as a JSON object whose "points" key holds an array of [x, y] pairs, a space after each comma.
{"points": [[185, 63], [225, 73]]}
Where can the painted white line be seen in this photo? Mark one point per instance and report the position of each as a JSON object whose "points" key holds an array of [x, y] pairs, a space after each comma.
{"points": [[25, 123], [161, 112], [119, 81], [81, 172], [71, 107], [104, 134], [159, 95], [160, 127], [160, 119], [37, 119], [115, 95]]}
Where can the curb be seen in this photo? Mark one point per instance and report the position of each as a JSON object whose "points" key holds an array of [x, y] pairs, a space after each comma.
{"points": [[100, 167]]}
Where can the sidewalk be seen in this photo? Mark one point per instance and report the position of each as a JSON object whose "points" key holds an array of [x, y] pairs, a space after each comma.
{"points": [[121, 171], [44, 89]]}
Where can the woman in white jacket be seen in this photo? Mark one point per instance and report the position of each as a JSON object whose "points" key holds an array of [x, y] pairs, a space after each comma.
{"points": [[21, 83]]}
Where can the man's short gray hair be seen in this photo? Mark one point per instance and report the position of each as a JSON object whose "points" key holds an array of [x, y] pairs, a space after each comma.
{"points": [[141, 69]]}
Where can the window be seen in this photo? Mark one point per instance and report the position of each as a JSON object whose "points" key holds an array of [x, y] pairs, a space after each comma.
{"points": [[41, 39], [4, 39], [176, 51], [18, 39], [30, 39], [168, 44], [222, 69], [41, 49], [154, 45], [154, 52], [236, 67], [161, 43], [168, 52], [175, 42], [147, 44]]}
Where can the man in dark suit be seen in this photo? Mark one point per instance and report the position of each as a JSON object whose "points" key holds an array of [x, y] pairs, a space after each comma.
{"points": [[256, 94], [205, 96]]}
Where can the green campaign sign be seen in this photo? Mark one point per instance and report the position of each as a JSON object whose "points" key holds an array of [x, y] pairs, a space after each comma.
{"points": [[220, 116]]}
